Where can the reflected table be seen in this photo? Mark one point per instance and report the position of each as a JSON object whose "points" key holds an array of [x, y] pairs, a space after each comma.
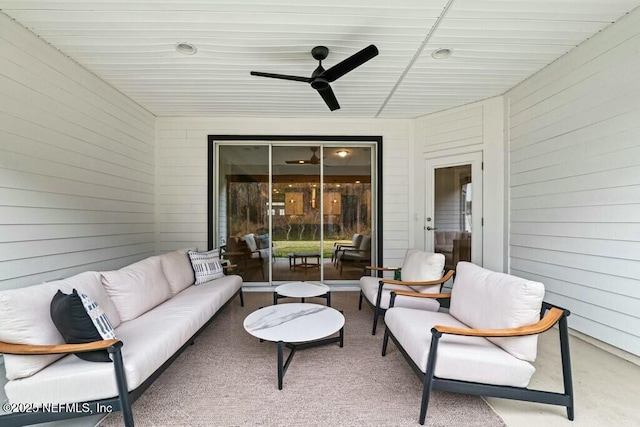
{"points": [[296, 326]]}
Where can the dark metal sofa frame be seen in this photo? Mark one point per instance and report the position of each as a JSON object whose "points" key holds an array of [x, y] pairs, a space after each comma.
{"points": [[122, 402], [431, 382]]}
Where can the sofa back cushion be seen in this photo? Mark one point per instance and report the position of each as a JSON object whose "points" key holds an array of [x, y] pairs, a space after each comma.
{"points": [[484, 299], [176, 267], [356, 240], [251, 241], [25, 319], [419, 266], [365, 244], [137, 288]]}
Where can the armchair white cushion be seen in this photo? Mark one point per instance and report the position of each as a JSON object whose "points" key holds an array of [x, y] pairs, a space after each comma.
{"points": [[422, 266], [459, 358], [524, 296], [418, 266]]}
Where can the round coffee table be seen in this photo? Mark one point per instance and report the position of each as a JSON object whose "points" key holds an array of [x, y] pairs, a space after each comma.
{"points": [[305, 324], [302, 290]]}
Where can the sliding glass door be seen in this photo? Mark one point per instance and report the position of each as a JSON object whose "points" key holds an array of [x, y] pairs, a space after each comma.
{"points": [[295, 211]]}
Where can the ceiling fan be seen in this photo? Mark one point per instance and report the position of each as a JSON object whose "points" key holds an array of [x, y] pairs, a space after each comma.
{"points": [[320, 78], [314, 160]]}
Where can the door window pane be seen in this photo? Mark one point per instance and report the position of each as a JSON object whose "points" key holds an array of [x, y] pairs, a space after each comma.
{"points": [[453, 196]]}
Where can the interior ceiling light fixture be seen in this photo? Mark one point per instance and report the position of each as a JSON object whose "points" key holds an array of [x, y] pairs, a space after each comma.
{"points": [[342, 153], [441, 53], [186, 48]]}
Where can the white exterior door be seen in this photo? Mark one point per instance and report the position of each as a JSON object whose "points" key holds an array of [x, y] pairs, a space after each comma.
{"points": [[453, 220]]}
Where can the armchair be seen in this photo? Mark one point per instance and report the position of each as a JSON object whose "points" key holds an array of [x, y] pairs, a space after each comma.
{"points": [[421, 272], [361, 254], [341, 245], [486, 343]]}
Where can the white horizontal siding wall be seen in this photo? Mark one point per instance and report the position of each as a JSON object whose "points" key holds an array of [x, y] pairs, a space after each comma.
{"points": [[575, 183], [182, 176], [76, 167], [476, 127]]}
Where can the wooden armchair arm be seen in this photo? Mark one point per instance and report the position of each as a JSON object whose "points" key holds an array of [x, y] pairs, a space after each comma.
{"points": [[227, 266], [420, 295], [8, 348], [544, 324], [371, 267], [440, 281]]}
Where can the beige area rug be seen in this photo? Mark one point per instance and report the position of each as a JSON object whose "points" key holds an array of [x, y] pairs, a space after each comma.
{"points": [[229, 378]]}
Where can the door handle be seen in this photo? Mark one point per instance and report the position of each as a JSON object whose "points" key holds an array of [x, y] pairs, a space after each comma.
{"points": [[431, 228]]}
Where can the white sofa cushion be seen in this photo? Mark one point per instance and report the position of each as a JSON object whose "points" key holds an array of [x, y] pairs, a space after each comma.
{"points": [[485, 299], [137, 288], [419, 266], [25, 319], [251, 242], [370, 285], [178, 271], [471, 359], [90, 284], [149, 341]]}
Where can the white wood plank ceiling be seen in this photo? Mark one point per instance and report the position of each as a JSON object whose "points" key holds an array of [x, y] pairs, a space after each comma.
{"points": [[131, 44]]}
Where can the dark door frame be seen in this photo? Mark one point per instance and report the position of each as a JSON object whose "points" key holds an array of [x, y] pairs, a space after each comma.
{"points": [[377, 140]]}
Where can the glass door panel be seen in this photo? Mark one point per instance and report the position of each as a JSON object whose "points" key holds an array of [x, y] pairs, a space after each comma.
{"points": [[243, 209], [452, 216], [454, 208], [297, 200], [347, 211]]}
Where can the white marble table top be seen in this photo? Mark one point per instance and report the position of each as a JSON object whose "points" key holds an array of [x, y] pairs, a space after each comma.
{"points": [[295, 322], [302, 289]]}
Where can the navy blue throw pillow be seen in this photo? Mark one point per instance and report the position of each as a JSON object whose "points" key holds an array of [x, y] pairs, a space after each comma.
{"points": [[75, 325]]}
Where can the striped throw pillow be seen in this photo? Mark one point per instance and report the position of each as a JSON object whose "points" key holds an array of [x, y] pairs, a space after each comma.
{"points": [[206, 265], [98, 317]]}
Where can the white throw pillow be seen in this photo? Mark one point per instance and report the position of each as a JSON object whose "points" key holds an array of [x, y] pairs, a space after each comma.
{"points": [[422, 266], [484, 299], [206, 265], [137, 288], [178, 271]]}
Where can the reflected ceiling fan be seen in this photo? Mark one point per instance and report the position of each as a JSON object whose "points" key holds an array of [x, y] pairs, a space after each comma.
{"points": [[320, 78], [314, 160]]}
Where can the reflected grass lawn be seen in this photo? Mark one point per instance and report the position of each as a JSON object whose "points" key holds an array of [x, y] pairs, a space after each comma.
{"points": [[283, 247]]}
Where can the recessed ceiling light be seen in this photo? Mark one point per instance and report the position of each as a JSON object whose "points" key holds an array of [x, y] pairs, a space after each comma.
{"points": [[186, 48], [342, 153], [441, 53]]}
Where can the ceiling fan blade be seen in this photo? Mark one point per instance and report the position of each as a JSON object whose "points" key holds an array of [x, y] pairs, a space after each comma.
{"points": [[282, 76], [297, 162], [329, 98], [349, 64]]}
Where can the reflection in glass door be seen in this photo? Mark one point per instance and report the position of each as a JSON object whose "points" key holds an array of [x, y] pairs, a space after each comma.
{"points": [[243, 209], [453, 222], [294, 212], [297, 226]]}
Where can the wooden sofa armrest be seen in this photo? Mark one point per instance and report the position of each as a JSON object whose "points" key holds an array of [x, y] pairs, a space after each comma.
{"points": [[371, 267], [544, 324], [420, 294], [8, 348], [228, 266], [439, 281]]}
